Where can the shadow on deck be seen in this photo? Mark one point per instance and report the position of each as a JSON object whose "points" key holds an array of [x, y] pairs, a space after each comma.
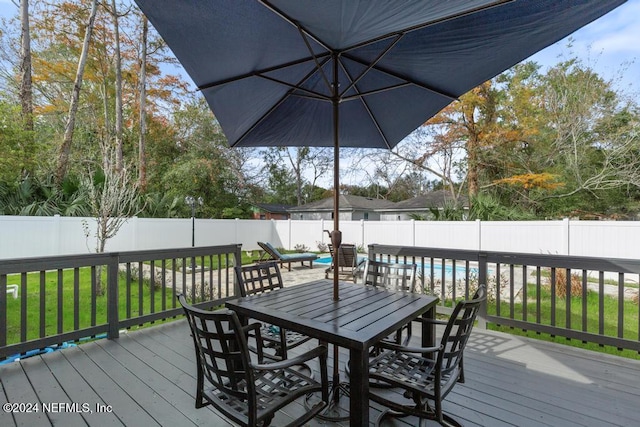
{"points": [[147, 377]]}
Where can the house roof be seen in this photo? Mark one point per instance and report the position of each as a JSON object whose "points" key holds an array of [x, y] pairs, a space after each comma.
{"points": [[347, 203], [272, 207]]}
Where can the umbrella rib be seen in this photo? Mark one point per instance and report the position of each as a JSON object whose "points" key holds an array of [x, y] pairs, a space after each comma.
{"points": [[374, 62], [375, 91], [404, 78], [366, 107], [310, 93], [259, 72], [281, 100], [295, 23], [315, 59]]}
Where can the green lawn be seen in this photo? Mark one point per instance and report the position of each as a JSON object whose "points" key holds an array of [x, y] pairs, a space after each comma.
{"points": [[610, 318], [33, 310]]}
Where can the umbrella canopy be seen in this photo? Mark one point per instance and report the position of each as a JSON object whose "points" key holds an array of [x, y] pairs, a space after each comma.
{"points": [[351, 73]]}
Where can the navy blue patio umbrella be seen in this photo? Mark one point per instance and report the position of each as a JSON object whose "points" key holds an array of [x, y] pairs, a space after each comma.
{"points": [[351, 73]]}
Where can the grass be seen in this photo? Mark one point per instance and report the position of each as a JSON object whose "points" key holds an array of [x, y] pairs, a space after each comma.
{"points": [[52, 294], [67, 300], [609, 318]]}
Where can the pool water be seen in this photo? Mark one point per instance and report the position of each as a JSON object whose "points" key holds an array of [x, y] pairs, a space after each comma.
{"points": [[437, 268]]}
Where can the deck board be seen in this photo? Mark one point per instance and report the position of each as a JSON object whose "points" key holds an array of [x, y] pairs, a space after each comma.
{"points": [[148, 377]]}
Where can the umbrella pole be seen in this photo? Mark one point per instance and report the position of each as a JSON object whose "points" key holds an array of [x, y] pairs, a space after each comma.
{"points": [[336, 235]]}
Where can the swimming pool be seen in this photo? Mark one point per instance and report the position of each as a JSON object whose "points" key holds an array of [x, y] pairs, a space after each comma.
{"points": [[437, 268]]}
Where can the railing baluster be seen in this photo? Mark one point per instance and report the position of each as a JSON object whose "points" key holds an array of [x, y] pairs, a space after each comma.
{"points": [[23, 307], [601, 302], [60, 310], [568, 296], [43, 297], [76, 298], [152, 287], [94, 292], [620, 305], [525, 294]]}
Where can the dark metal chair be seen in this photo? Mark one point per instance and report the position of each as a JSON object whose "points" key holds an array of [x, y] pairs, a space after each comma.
{"points": [[426, 374], [266, 277], [348, 266], [394, 277], [246, 392]]}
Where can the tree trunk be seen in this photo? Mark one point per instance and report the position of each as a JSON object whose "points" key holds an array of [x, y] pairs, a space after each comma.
{"points": [[65, 148], [116, 33], [142, 156], [26, 93], [472, 165]]}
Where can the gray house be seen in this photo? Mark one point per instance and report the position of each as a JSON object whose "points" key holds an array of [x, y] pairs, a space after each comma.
{"points": [[352, 208], [420, 205]]}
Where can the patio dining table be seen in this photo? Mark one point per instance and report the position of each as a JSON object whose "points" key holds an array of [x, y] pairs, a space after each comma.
{"points": [[359, 319]]}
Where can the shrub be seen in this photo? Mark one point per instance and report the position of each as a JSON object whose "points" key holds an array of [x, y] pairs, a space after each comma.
{"points": [[561, 283]]}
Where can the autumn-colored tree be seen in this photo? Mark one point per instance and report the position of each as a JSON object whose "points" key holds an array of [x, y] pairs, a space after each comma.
{"points": [[65, 147], [26, 93]]}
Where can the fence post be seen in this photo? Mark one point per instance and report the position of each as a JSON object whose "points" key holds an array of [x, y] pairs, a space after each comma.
{"points": [[362, 232], [135, 233], [56, 248], [112, 297], [482, 280], [479, 233], [413, 231]]}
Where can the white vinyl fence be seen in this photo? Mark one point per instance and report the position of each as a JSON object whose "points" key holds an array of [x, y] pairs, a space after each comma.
{"points": [[22, 237]]}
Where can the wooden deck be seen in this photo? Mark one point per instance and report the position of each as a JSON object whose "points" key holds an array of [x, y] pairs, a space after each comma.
{"points": [[147, 378]]}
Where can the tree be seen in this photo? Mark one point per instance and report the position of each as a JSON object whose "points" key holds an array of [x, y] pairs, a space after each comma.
{"points": [[594, 131], [285, 167], [26, 93], [113, 199], [142, 147], [118, 85], [65, 147]]}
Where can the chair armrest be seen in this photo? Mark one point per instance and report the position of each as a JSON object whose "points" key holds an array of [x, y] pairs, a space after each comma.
{"points": [[298, 360], [429, 321], [404, 349]]}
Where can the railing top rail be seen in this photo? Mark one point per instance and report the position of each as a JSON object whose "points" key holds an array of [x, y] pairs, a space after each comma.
{"points": [[415, 251], [19, 265], [186, 252], [621, 265]]}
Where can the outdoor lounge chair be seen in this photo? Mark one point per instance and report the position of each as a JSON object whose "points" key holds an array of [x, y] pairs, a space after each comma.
{"points": [[247, 392], [425, 375], [349, 267], [273, 254]]}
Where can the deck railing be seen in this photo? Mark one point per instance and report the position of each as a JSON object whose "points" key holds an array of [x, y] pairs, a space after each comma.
{"points": [[583, 298], [71, 298]]}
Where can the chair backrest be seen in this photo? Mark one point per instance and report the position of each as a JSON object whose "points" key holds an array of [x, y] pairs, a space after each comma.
{"points": [[258, 278], [268, 247], [457, 333], [222, 352], [395, 277], [347, 255]]}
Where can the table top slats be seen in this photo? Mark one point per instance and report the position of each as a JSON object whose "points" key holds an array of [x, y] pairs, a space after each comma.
{"points": [[361, 317]]}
